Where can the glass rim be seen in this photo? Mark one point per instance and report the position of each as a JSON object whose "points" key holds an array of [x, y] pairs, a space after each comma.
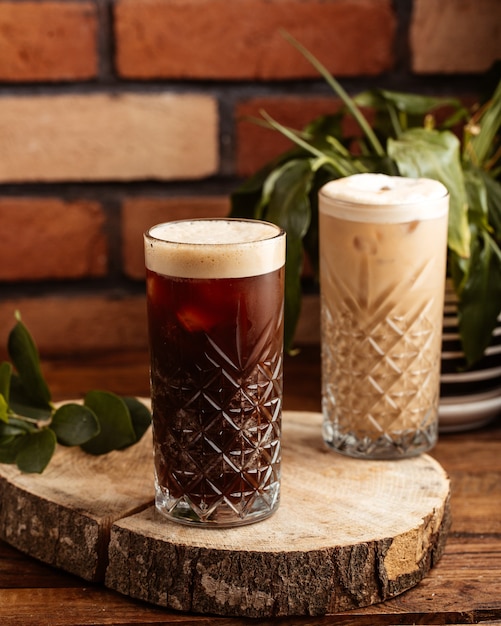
{"points": [[383, 205], [385, 213], [278, 231]]}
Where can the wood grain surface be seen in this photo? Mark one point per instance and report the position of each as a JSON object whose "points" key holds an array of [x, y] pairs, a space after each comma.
{"points": [[348, 533], [464, 587]]}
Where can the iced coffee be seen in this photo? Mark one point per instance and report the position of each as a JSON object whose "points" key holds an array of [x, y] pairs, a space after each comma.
{"points": [[383, 243], [215, 291]]}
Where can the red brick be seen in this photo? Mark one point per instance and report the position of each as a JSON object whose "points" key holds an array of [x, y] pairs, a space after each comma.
{"points": [[138, 214], [79, 324], [128, 136], [48, 41], [50, 238], [224, 39], [455, 36], [257, 145]]}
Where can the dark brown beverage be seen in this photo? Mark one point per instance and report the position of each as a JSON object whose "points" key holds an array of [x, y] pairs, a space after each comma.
{"points": [[216, 381]]}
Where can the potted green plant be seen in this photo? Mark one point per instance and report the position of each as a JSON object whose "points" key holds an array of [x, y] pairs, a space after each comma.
{"points": [[405, 139]]}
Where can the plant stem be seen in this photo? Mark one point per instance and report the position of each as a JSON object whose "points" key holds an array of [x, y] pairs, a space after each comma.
{"points": [[305, 145], [39, 423], [360, 119]]}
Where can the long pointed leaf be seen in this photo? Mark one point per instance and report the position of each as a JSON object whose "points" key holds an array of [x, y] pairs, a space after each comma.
{"points": [[434, 154], [412, 104], [5, 376], [289, 207], [478, 203], [338, 89], [22, 403], [480, 300], [4, 410], [493, 188], [488, 121], [26, 360]]}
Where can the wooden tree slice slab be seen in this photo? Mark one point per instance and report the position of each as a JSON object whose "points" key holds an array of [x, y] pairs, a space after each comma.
{"points": [[63, 516], [348, 533]]}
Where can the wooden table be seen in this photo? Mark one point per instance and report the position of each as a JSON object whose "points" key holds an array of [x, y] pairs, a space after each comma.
{"points": [[464, 588]]}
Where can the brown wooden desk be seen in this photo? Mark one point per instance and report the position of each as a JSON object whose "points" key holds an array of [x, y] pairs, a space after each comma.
{"points": [[464, 588]]}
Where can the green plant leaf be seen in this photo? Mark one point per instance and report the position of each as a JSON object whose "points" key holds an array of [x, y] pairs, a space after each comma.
{"points": [[336, 156], [4, 409], [36, 450], [116, 429], [25, 357], [5, 376], [9, 447], [478, 203], [289, 207], [245, 200], [397, 111], [30, 427], [22, 403], [320, 129], [405, 123], [409, 103], [140, 415], [74, 424], [493, 188], [15, 427], [310, 240], [341, 93], [479, 145], [436, 154], [480, 300]]}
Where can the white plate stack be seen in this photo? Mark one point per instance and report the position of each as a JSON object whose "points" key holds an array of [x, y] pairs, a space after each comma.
{"points": [[469, 398]]}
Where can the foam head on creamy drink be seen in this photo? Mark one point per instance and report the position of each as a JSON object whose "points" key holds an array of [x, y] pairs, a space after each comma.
{"points": [[215, 312], [383, 244]]}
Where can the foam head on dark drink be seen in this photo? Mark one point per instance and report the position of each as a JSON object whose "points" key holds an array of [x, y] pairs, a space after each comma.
{"points": [[214, 248]]}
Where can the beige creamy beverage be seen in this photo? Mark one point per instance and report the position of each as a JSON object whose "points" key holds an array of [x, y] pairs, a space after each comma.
{"points": [[382, 261]]}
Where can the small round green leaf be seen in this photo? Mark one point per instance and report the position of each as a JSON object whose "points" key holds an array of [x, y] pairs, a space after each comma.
{"points": [[36, 450], [115, 422], [74, 424], [140, 415], [9, 447]]}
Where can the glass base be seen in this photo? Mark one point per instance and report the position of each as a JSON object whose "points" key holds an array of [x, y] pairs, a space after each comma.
{"points": [[225, 513], [389, 446]]}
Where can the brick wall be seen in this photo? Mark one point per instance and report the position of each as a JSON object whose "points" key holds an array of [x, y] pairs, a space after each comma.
{"points": [[115, 115]]}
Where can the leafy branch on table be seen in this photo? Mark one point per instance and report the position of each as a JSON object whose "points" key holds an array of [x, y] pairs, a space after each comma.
{"points": [[31, 426]]}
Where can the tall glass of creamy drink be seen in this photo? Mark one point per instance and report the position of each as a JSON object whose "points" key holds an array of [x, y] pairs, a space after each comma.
{"points": [[215, 298], [383, 243]]}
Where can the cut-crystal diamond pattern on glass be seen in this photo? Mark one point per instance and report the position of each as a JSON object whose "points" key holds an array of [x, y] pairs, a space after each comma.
{"points": [[378, 391], [222, 450], [383, 244]]}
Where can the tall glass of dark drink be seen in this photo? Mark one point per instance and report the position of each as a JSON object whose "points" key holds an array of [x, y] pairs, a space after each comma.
{"points": [[215, 296]]}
